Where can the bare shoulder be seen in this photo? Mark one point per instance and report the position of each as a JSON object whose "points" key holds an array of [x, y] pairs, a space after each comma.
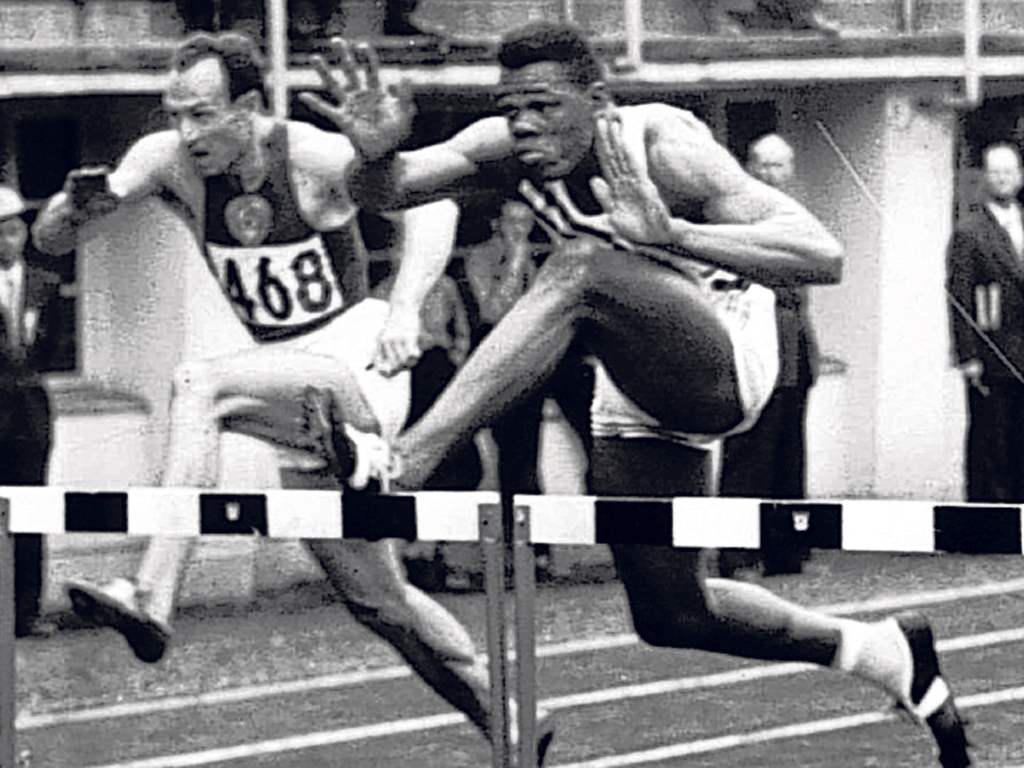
{"points": [[682, 156], [663, 122]]}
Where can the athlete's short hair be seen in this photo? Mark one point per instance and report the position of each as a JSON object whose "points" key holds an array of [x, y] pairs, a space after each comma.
{"points": [[551, 41], [242, 59]]}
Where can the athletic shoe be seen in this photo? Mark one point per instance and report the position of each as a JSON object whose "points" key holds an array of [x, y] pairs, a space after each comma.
{"points": [[546, 734], [928, 698], [354, 456], [116, 605]]}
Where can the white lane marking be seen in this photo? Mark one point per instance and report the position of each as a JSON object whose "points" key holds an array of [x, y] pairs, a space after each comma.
{"points": [[211, 698], [25, 722], [684, 749], [740, 676], [811, 728], [293, 743]]}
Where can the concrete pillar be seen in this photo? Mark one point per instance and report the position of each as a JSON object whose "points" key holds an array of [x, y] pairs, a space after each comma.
{"points": [[919, 402]]}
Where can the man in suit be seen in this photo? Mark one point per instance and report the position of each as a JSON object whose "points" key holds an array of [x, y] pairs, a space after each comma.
{"points": [[985, 278], [767, 461], [28, 317]]}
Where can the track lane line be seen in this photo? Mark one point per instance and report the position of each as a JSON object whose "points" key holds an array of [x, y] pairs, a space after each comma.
{"points": [[620, 693], [26, 722], [766, 735]]}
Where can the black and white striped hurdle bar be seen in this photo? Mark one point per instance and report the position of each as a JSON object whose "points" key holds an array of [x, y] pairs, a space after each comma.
{"points": [[866, 525]]}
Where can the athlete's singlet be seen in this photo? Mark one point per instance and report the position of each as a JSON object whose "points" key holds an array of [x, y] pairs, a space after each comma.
{"points": [[283, 278]]}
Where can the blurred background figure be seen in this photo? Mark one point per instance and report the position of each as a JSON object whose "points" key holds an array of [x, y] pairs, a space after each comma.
{"points": [[308, 20], [28, 334], [737, 17], [768, 461], [985, 277], [786, 16]]}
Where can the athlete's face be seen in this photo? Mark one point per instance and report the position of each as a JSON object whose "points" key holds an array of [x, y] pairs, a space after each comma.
{"points": [[551, 117], [214, 131], [13, 236], [1003, 174]]}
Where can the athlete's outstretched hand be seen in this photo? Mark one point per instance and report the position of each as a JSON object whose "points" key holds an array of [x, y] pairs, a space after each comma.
{"points": [[375, 119], [631, 202]]}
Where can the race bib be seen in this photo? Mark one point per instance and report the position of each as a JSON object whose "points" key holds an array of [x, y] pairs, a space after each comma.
{"points": [[278, 291]]}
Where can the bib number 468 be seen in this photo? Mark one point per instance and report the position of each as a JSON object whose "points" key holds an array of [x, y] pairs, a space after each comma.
{"points": [[313, 290]]}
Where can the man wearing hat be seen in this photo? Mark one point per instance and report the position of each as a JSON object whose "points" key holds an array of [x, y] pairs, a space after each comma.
{"points": [[28, 334]]}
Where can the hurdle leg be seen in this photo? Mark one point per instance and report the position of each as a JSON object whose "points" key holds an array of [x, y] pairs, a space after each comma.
{"points": [[525, 588], [8, 680], [492, 540]]}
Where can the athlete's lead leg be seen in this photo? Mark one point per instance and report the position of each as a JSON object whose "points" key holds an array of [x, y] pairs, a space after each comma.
{"points": [[650, 325]]}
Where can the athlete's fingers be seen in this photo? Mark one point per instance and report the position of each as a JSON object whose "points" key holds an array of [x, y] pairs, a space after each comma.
{"points": [[623, 160], [347, 62], [553, 234], [372, 66], [576, 216], [532, 195], [601, 145], [606, 152], [318, 105], [603, 193], [546, 212], [403, 350], [384, 362], [327, 78]]}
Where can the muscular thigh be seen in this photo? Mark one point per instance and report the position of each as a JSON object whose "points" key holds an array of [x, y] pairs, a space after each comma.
{"points": [[663, 343], [335, 357]]}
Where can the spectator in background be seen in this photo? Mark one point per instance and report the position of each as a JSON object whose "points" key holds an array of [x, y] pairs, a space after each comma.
{"points": [[985, 279], [308, 20], [768, 461], [787, 16], [28, 334], [496, 273]]}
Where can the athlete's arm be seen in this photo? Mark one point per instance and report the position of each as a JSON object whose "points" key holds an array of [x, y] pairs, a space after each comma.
{"points": [[89, 194], [752, 230], [657, 161], [426, 237], [404, 179], [377, 119]]}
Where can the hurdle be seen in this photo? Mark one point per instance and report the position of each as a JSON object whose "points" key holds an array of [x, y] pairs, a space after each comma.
{"points": [[858, 525]]}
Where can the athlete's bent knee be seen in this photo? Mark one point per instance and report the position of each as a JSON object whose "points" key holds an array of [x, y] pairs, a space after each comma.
{"points": [[574, 266]]}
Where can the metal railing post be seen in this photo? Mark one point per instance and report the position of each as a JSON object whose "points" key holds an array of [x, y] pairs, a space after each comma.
{"points": [[277, 46], [8, 677], [492, 542], [525, 587]]}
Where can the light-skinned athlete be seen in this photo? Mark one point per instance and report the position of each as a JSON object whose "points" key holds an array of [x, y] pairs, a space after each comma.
{"points": [[267, 201]]}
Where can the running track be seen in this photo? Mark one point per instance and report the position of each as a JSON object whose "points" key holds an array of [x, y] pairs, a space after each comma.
{"points": [[297, 683]]}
